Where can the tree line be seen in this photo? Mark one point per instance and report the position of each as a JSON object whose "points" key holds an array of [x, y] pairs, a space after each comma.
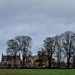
{"points": [[60, 47]]}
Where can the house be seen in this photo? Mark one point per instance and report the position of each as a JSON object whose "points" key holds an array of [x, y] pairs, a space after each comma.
{"points": [[30, 61], [8, 61]]}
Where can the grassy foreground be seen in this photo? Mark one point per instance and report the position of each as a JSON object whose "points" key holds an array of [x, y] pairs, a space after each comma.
{"points": [[36, 72]]}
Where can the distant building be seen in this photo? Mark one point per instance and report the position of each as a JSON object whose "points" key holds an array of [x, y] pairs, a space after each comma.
{"points": [[8, 61], [31, 62]]}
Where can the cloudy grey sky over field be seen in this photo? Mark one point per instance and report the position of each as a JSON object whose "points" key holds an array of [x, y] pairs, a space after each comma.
{"points": [[35, 18]]}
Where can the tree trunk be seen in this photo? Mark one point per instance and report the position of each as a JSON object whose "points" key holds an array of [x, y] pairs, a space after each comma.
{"points": [[14, 61], [59, 57], [68, 60], [49, 61], [58, 61], [68, 63], [23, 61], [73, 65]]}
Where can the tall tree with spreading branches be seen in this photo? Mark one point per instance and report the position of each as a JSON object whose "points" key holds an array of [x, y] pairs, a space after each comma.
{"points": [[49, 47], [24, 43], [12, 49]]}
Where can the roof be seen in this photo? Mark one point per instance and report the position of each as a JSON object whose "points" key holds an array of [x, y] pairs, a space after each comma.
{"points": [[9, 58]]}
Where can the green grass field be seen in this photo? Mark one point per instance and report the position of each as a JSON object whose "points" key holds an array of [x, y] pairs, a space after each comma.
{"points": [[36, 72]]}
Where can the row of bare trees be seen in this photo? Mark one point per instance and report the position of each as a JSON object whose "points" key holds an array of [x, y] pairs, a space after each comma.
{"points": [[59, 47]]}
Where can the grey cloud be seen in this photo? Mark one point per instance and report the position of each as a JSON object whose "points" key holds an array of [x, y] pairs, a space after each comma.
{"points": [[36, 18], [51, 8]]}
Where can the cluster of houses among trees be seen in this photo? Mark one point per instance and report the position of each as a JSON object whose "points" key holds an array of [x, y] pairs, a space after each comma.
{"points": [[57, 52]]}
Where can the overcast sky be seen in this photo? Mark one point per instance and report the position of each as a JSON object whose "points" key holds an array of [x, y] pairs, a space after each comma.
{"points": [[35, 18]]}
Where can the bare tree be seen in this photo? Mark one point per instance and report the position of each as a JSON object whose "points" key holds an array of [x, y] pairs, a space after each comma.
{"points": [[12, 48], [49, 46], [68, 45], [24, 43]]}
